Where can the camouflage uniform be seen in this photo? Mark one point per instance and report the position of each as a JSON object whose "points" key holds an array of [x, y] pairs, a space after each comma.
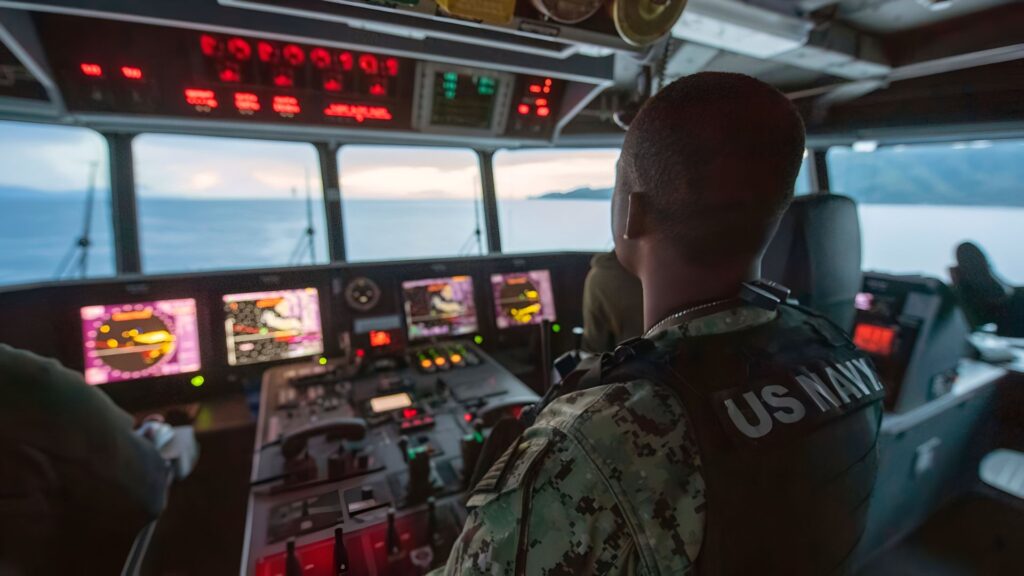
{"points": [[606, 481]]}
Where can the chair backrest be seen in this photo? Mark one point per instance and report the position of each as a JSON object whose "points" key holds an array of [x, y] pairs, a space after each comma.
{"points": [[816, 253]]}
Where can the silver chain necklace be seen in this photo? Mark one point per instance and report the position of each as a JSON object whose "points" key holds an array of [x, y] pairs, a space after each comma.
{"points": [[684, 313]]}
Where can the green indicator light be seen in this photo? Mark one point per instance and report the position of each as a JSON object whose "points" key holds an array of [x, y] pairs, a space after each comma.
{"points": [[264, 331], [556, 328], [478, 339], [198, 380], [322, 360], [478, 437], [451, 76]]}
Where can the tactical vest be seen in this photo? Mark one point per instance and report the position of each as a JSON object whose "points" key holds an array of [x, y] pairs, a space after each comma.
{"points": [[786, 417]]}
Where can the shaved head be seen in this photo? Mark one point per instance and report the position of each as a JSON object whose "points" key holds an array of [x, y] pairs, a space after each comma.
{"points": [[713, 158]]}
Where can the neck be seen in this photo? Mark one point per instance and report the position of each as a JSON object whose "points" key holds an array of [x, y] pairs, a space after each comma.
{"points": [[687, 286]]}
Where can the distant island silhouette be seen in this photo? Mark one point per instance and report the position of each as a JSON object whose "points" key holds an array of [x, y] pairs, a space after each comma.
{"points": [[584, 193]]}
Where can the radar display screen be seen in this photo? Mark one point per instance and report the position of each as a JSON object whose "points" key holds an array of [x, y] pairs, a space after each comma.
{"points": [[522, 298], [439, 307], [142, 340], [268, 326], [463, 100]]}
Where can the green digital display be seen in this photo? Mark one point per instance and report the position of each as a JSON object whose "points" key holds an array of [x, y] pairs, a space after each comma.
{"points": [[463, 100]]}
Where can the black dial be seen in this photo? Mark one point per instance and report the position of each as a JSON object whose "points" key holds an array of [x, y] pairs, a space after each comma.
{"points": [[362, 294]]}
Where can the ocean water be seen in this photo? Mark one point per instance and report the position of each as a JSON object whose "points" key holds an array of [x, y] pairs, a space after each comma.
{"points": [[181, 235]]}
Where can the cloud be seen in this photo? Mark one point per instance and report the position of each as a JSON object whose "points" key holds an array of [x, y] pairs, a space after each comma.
{"points": [[420, 182]]}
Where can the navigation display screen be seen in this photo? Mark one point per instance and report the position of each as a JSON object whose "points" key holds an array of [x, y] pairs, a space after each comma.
{"points": [[439, 307], [268, 326], [141, 340], [463, 100], [522, 298]]}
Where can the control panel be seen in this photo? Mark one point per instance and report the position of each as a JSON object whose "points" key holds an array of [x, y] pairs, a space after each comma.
{"points": [[362, 469]]}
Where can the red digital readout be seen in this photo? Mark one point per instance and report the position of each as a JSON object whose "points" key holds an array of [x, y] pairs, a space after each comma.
{"points": [[320, 58], [380, 338], [239, 49], [391, 66], [91, 70], [874, 339], [346, 60], [247, 102], [293, 55], [358, 112], [201, 98], [286, 105], [210, 45], [369, 64], [131, 72], [267, 52]]}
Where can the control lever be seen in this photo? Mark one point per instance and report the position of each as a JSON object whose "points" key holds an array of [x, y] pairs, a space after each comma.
{"points": [[393, 545], [577, 337], [545, 355], [340, 553], [292, 566], [419, 487], [471, 445], [294, 443]]}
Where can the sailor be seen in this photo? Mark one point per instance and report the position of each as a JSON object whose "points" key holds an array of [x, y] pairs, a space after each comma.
{"points": [[738, 436], [77, 483]]}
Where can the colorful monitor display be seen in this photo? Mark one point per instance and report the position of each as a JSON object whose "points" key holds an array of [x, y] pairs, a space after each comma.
{"points": [[439, 307], [522, 298], [268, 326], [131, 341]]}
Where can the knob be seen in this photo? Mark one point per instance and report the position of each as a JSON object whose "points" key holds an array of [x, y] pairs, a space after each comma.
{"points": [[366, 493], [340, 553]]}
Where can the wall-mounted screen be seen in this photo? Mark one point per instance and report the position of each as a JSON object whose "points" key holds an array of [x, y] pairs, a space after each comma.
{"points": [[522, 298], [439, 307], [140, 340], [268, 326]]}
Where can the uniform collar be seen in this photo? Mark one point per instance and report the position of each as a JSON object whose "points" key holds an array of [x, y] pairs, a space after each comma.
{"points": [[718, 317]]}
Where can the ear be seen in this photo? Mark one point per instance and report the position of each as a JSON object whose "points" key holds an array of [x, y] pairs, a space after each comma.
{"points": [[636, 216]]}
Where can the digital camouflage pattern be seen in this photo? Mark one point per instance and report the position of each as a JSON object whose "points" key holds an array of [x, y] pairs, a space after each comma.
{"points": [[606, 481]]}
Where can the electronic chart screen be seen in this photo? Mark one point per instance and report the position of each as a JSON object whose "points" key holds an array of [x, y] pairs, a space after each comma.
{"points": [[268, 326], [439, 307], [522, 298], [131, 341]]}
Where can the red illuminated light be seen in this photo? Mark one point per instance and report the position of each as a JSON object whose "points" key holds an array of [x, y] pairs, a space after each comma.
{"points": [[210, 45], [239, 49], [294, 55], [320, 58], [131, 72], [267, 52], [369, 64], [524, 109], [535, 88], [229, 72], [346, 61], [541, 102], [543, 112], [332, 84], [286, 105], [378, 89], [284, 78], [247, 102], [91, 70], [391, 66], [200, 98], [380, 338], [409, 413], [874, 339], [358, 112], [467, 417]]}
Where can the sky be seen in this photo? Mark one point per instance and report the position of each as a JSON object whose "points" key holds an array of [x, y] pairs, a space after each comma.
{"points": [[56, 159]]}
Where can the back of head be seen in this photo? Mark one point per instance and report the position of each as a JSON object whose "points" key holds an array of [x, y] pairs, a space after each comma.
{"points": [[716, 156]]}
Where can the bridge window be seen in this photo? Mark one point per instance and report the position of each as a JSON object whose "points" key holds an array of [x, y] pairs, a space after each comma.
{"points": [[918, 202], [54, 190], [216, 203], [403, 202], [555, 199]]}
